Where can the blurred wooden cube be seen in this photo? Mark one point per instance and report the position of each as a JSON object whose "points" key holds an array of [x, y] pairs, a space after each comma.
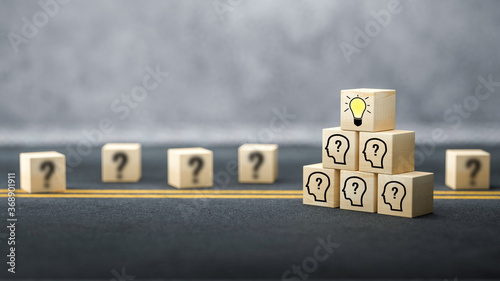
{"points": [[340, 149], [358, 191], [388, 152], [368, 110], [467, 169], [406, 195], [121, 162], [320, 186], [42, 172], [190, 167], [258, 163]]}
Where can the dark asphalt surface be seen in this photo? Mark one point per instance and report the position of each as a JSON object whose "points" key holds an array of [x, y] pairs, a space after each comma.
{"points": [[73, 238]]}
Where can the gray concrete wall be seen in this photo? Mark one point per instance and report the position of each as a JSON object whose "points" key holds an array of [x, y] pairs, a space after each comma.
{"points": [[232, 64]]}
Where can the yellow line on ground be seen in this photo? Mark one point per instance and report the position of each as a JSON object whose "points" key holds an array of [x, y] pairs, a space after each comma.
{"points": [[182, 191], [179, 196], [218, 191], [467, 197], [201, 196], [479, 192]]}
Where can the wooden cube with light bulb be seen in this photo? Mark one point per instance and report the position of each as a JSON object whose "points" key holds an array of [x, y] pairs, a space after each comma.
{"points": [[368, 110], [467, 169]]}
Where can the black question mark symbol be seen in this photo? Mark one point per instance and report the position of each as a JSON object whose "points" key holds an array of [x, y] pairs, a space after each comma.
{"points": [[477, 166], [47, 165], [338, 143], [199, 165], [395, 190], [356, 185], [376, 147], [319, 181], [123, 162], [258, 163]]}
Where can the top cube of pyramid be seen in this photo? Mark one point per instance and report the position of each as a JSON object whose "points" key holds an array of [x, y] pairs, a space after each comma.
{"points": [[368, 110]]}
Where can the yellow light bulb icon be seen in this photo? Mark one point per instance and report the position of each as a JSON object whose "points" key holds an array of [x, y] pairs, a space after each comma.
{"points": [[358, 107]]}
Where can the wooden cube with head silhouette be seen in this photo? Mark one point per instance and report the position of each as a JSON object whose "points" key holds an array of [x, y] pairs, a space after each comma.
{"points": [[320, 186], [388, 152], [358, 191], [340, 149], [406, 195]]}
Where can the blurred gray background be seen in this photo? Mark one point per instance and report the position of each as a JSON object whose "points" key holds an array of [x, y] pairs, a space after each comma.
{"points": [[233, 64]]}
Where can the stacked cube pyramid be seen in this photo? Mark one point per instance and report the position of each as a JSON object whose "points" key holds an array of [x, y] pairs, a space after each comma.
{"points": [[367, 165]]}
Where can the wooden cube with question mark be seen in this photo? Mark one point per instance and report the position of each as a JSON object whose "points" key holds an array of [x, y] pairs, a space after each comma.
{"points": [[42, 172], [340, 149], [368, 110], [358, 191], [121, 162], [467, 169], [406, 195], [190, 167], [388, 152], [258, 163], [320, 186]]}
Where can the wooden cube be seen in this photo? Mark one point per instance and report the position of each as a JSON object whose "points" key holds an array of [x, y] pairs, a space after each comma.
{"points": [[406, 195], [190, 167], [467, 169], [358, 191], [121, 162], [43, 172], [368, 110], [389, 152], [340, 149], [258, 163], [320, 186]]}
